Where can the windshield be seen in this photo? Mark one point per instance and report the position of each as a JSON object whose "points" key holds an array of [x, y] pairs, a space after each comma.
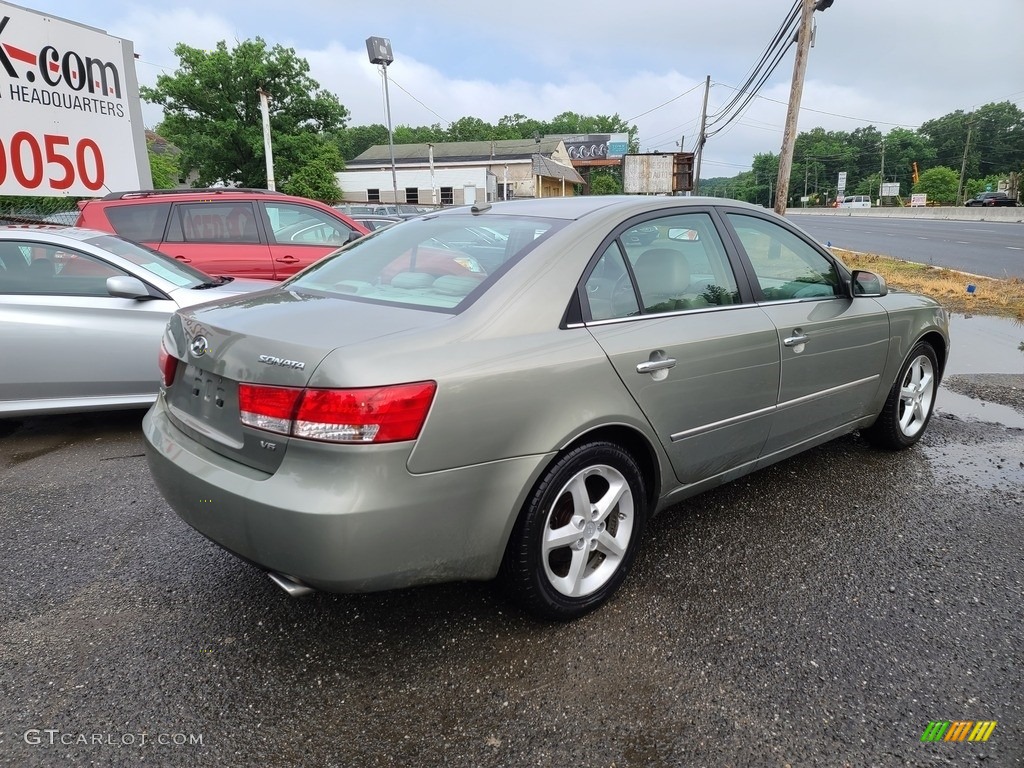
{"points": [[161, 265], [440, 262]]}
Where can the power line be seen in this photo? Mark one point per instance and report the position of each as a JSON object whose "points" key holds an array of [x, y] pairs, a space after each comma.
{"points": [[674, 98], [449, 122], [777, 46]]}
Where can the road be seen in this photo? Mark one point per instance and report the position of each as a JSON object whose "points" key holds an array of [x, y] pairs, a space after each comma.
{"points": [[820, 612], [991, 248]]}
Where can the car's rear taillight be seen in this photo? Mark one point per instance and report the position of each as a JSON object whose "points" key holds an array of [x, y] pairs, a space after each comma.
{"points": [[168, 365], [364, 415], [269, 408]]}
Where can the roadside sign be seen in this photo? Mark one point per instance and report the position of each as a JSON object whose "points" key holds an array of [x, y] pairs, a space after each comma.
{"points": [[842, 183], [890, 189], [72, 120], [918, 199]]}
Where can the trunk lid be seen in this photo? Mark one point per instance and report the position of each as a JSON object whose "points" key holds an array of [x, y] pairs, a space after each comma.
{"points": [[271, 339]]}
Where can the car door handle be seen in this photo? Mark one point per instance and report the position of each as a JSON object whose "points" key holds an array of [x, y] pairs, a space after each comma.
{"points": [[795, 339], [182, 258], [651, 366], [288, 259]]}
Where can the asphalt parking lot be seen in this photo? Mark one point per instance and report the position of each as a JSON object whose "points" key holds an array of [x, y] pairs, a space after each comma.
{"points": [[821, 612]]}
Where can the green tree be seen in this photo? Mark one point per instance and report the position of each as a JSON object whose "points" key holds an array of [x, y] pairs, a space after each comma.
{"points": [[353, 141], [973, 187], [212, 112], [940, 184], [163, 166], [316, 177], [604, 183]]}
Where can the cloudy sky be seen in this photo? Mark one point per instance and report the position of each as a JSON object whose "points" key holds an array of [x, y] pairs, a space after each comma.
{"points": [[875, 62]]}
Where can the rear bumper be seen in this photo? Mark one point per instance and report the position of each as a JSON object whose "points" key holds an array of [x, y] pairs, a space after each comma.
{"points": [[343, 518]]}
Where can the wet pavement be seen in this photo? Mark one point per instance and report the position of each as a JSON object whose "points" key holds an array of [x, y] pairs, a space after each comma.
{"points": [[818, 613]]}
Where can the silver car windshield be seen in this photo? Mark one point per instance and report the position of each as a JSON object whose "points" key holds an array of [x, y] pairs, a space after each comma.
{"points": [[440, 262], [159, 264]]}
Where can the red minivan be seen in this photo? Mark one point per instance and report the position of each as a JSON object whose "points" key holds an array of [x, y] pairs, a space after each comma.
{"points": [[226, 231]]}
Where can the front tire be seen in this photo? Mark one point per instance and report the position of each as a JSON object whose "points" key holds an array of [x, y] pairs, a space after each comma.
{"points": [[577, 534], [910, 402]]}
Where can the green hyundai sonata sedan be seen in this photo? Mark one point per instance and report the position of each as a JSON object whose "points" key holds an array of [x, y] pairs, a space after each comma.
{"points": [[427, 404]]}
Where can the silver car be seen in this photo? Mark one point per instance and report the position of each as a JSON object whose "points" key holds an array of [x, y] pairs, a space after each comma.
{"points": [[371, 424], [81, 316]]}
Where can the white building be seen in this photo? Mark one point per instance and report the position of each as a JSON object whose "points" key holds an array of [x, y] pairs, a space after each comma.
{"points": [[460, 173]]}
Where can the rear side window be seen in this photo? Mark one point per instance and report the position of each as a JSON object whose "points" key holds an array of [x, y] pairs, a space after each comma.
{"points": [[678, 262], [145, 223], [219, 222]]}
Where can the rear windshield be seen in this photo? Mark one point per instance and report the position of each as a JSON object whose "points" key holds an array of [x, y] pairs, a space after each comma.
{"points": [[438, 262]]}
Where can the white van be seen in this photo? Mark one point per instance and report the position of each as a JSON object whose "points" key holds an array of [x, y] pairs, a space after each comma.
{"points": [[856, 201]]}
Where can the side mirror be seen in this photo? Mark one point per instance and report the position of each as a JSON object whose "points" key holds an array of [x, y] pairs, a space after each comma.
{"points": [[127, 287], [868, 284], [353, 235]]}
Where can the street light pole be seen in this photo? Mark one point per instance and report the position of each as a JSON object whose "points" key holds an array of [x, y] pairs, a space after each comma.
{"points": [[379, 51], [391, 138]]}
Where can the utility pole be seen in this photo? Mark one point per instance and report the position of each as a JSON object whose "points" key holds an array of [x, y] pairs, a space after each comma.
{"points": [[963, 165], [803, 46], [881, 174], [268, 151], [700, 137]]}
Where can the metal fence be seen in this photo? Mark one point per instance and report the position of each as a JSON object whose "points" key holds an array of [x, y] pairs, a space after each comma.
{"points": [[38, 210]]}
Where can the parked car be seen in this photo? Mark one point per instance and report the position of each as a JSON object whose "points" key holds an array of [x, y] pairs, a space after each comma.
{"points": [[81, 316], [991, 199], [376, 431], [226, 231], [374, 222]]}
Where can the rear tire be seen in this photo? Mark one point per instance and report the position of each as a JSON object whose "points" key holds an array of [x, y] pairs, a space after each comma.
{"points": [[910, 402], [577, 534]]}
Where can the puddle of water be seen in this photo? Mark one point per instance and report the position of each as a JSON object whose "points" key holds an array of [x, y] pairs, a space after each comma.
{"points": [[977, 410], [982, 344], [998, 464], [985, 344]]}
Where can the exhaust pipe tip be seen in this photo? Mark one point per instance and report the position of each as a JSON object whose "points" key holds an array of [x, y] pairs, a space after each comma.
{"points": [[293, 587]]}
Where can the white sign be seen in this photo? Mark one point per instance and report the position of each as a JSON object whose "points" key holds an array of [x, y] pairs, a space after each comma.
{"points": [[918, 199], [842, 182], [890, 189], [72, 123]]}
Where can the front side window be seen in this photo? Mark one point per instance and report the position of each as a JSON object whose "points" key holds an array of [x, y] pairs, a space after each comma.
{"points": [[440, 262], [292, 224], [43, 269], [785, 266], [154, 262]]}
